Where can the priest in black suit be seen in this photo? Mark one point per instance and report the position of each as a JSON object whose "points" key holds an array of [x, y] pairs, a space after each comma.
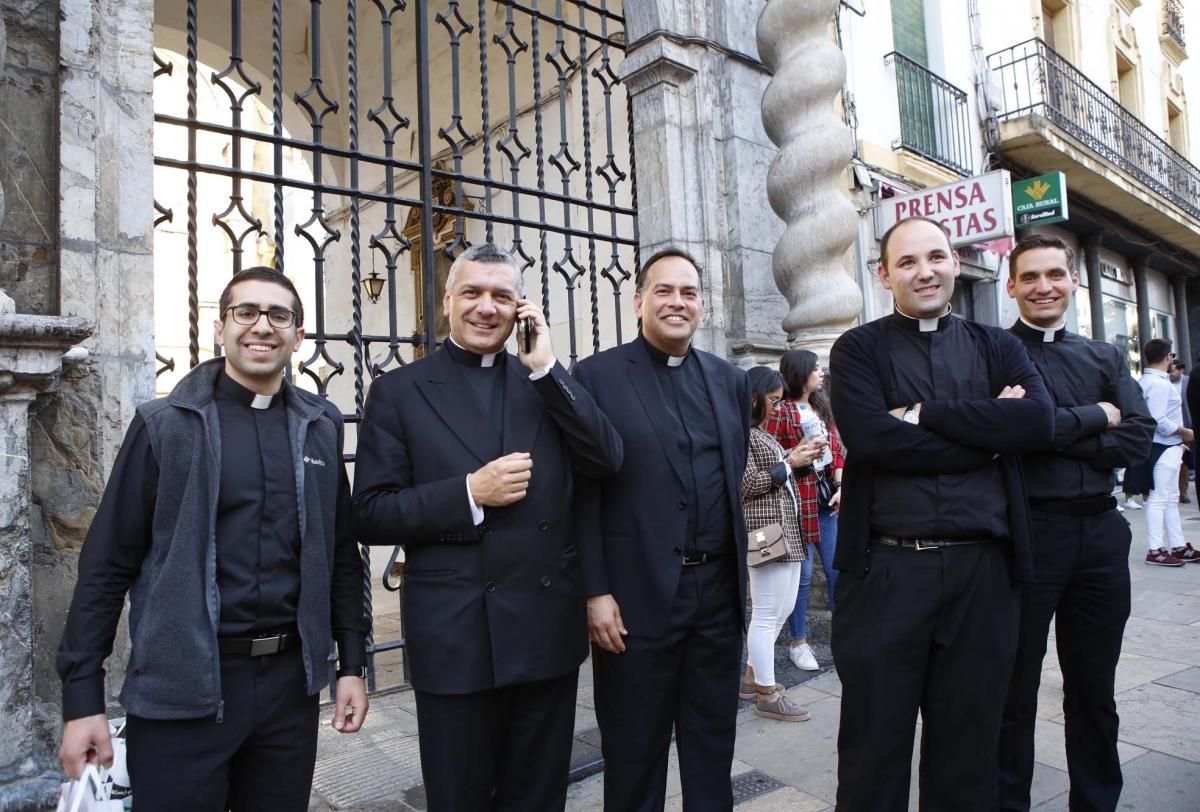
{"points": [[664, 558], [469, 458]]}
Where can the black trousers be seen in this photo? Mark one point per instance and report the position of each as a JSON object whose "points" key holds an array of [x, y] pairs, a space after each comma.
{"points": [[504, 749], [1081, 578], [934, 631], [260, 756], [686, 679]]}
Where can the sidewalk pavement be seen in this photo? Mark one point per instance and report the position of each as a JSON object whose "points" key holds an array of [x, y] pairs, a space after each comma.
{"points": [[793, 766]]}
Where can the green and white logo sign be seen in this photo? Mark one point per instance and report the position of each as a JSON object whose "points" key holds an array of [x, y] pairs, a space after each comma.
{"points": [[1040, 200]]}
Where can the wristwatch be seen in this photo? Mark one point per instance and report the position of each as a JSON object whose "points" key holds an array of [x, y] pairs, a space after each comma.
{"points": [[360, 672]]}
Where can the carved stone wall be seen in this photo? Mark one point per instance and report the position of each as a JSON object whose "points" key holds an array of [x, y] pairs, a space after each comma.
{"points": [[28, 157]]}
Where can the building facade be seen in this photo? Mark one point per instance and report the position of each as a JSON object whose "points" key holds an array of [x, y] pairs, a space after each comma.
{"points": [[1096, 89]]}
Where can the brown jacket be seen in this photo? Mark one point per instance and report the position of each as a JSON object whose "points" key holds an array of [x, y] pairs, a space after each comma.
{"points": [[764, 501]]}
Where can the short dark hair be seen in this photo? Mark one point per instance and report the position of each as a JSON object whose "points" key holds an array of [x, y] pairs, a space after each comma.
{"points": [[639, 279], [261, 273], [1155, 350], [763, 381], [1033, 242], [887, 235]]}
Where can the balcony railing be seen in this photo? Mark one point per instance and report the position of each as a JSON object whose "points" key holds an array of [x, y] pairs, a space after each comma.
{"points": [[1038, 81], [1172, 13], [933, 115]]}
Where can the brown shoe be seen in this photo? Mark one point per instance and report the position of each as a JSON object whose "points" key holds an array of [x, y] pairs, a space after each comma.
{"points": [[749, 690], [776, 705]]}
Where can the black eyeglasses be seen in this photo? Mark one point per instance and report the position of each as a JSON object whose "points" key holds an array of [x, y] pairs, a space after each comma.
{"points": [[249, 315]]}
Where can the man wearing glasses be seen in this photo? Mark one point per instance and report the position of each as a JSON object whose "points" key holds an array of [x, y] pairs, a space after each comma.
{"points": [[226, 519]]}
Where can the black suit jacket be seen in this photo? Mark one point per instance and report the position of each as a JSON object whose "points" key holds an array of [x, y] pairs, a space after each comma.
{"points": [[498, 604], [635, 522]]}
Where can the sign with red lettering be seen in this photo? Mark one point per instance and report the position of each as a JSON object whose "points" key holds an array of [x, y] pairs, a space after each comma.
{"points": [[974, 210]]}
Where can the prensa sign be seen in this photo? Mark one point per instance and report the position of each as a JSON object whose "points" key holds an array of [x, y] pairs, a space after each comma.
{"points": [[973, 210]]}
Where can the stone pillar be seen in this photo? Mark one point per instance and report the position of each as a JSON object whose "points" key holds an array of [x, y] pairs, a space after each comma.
{"points": [[804, 181], [1091, 259], [1183, 335], [106, 191], [1141, 285], [695, 80], [31, 360]]}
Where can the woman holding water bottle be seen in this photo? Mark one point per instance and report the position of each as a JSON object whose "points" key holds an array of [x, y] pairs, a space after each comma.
{"points": [[805, 417]]}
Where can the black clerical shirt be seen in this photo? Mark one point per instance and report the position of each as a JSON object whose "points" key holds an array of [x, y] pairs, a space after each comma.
{"points": [[1079, 374], [937, 360], [686, 399], [485, 378], [258, 533]]}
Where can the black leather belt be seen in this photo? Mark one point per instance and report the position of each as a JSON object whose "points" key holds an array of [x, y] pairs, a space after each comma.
{"points": [[699, 558], [924, 544], [257, 646], [1089, 506]]}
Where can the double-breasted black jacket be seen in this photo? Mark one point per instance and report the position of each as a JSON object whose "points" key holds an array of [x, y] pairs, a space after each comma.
{"points": [[500, 603]]}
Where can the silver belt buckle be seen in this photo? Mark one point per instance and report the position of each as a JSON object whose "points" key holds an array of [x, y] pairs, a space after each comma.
{"points": [[260, 646], [924, 544]]}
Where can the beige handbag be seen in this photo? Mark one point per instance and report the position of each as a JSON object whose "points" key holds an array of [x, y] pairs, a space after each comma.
{"points": [[765, 545]]}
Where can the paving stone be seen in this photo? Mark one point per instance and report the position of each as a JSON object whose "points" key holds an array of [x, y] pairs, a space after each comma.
{"points": [[1161, 783], [1163, 605], [1132, 670], [1163, 640], [1162, 718], [1050, 746], [1187, 679]]}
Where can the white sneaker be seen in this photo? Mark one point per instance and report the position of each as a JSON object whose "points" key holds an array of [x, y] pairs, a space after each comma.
{"points": [[801, 655], [1132, 505]]}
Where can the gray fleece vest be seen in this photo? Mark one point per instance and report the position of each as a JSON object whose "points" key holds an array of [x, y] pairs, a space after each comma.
{"points": [[174, 668]]}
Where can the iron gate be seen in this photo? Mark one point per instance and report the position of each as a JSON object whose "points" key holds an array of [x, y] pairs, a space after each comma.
{"points": [[359, 145]]}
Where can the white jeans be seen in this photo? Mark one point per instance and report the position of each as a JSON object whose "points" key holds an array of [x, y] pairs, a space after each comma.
{"points": [[773, 589], [1162, 508]]}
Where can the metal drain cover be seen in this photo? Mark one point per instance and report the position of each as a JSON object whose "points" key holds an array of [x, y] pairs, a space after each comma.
{"points": [[753, 784]]}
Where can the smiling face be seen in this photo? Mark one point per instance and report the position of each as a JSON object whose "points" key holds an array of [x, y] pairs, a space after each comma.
{"points": [[255, 354], [670, 304], [1042, 285], [920, 270], [482, 306]]}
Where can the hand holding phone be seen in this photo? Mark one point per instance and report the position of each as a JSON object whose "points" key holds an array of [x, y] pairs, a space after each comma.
{"points": [[533, 337]]}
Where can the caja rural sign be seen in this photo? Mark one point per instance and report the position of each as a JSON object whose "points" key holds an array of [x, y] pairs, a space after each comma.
{"points": [[974, 210], [1040, 200]]}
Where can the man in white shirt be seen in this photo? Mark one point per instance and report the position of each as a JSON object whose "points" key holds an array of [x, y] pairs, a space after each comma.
{"points": [[1166, 456]]}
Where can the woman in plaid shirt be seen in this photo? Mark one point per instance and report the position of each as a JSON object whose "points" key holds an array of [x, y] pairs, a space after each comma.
{"points": [[769, 497], [806, 415]]}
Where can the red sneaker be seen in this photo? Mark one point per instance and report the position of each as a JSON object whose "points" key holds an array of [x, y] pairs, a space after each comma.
{"points": [[1162, 558], [1187, 553]]}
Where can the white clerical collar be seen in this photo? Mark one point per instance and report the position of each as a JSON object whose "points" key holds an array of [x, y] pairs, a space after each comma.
{"points": [[926, 325], [262, 401], [1048, 333], [486, 359], [675, 360]]}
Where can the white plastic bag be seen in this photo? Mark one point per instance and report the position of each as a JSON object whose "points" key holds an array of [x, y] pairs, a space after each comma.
{"points": [[87, 794]]}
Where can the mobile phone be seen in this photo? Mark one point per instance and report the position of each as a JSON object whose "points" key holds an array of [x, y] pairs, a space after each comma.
{"points": [[525, 332]]}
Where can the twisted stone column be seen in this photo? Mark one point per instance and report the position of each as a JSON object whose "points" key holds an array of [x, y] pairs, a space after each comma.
{"points": [[803, 183]]}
